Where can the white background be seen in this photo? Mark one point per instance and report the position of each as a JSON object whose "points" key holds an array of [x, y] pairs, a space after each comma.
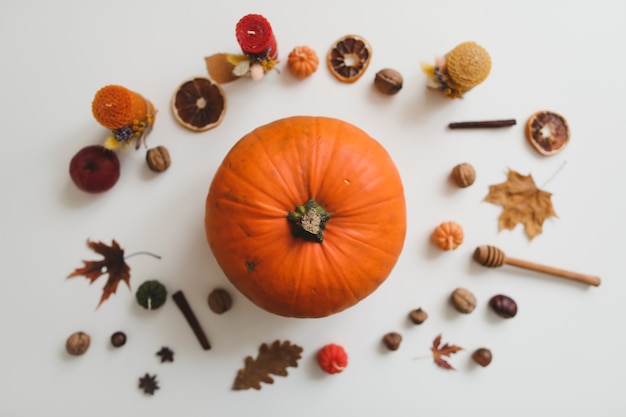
{"points": [[562, 355]]}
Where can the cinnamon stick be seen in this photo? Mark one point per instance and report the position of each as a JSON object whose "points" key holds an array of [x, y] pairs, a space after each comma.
{"points": [[482, 124], [185, 308]]}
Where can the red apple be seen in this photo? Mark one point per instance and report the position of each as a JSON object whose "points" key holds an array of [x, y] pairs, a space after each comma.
{"points": [[95, 169]]}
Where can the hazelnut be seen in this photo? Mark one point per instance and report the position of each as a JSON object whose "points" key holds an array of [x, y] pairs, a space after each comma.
{"points": [[118, 339], [392, 340], [482, 356], [504, 306], [463, 175], [388, 81], [158, 159], [463, 300], [220, 301], [418, 316], [77, 343]]}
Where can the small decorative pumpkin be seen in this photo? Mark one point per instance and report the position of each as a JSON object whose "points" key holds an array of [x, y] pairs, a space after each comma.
{"points": [[306, 216], [302, 61], [448, 235]]}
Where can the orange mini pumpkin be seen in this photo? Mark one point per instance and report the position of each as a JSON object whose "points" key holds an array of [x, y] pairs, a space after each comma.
{"points": [[302, 61], [448, 235], [306, 216]]}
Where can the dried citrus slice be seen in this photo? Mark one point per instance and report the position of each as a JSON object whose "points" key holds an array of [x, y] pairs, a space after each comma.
{"points": [[349, 57], [547, 132], [199, 104]]}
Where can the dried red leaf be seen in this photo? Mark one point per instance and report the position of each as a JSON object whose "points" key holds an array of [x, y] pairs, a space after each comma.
{"points": [[440, 351], [113, 264], [273, 359]]}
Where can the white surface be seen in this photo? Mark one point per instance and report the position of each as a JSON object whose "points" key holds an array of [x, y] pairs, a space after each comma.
{"points": [[563, 353]]}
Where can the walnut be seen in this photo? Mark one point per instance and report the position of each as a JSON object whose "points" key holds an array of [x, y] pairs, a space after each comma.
{"points": [[463, 175], [158, 159], [77, 343]]}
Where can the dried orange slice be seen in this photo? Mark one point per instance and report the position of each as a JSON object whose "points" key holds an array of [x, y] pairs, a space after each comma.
{"points": [[547, 132], [199, 104], [349, 57]]}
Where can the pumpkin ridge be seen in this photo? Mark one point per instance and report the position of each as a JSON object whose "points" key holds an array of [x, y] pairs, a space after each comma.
{"points": [[350, 212], [365, 243], [286, 188], [339, 273], [252, 184]]}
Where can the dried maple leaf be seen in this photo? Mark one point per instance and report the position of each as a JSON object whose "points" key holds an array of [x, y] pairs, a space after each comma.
{"points": [[112, 264], [273, 359], [522, 202], [440, 351]]}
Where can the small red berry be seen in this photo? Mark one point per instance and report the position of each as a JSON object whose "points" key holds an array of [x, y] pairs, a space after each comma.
{"points": [[332, 358]]}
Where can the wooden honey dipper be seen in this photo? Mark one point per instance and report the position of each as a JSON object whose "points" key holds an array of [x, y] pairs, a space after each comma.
{"points": [[492, 257]]}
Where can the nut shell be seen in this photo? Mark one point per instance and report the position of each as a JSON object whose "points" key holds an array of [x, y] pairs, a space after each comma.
{"points": [[392, 340], [388, 81], [349, 57], [547, 132], [158, 159], [482, 356], [418, 316], [463, 175], [503, 305], [220, 301], [467, 65], [463, 300], [77, 343]]}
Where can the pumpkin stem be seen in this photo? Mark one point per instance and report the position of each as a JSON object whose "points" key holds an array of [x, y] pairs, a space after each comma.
{"points": [[308, 221]]}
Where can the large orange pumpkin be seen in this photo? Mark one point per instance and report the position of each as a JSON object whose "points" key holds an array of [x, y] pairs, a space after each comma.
{"points": [[306, 216]]}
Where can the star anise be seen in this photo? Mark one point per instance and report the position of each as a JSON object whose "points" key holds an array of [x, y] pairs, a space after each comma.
{"points": [[148, 384], [166, 354]]}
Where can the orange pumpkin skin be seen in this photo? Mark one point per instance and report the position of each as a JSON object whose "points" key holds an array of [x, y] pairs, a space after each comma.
{"points": [[281, 165]]}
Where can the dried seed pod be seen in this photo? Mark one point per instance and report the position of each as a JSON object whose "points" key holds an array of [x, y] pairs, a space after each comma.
{"points": [[463, 300], [199, 104], [448, 235], [463, 175], [547, 132], [482, 356], [302, 61], [392, 340], [77, 343], [349, 57], [388, 81], [503, 305], [158, 159], [418, 316]]}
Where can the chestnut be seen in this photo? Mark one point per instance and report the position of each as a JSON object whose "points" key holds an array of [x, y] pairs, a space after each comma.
{"points": [[503, 305]]}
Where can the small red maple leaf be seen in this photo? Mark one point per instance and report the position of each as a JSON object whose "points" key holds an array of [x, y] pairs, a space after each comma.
{"points": [[112, 264], [441, 351]]}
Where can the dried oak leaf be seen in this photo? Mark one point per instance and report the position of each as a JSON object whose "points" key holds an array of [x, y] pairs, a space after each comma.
{"points": [[273, 359], [440, 351], [522, 202], [112, 264]]}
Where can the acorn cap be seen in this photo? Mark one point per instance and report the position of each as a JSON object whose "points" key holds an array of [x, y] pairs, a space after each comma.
{"points": [[467, 65]]}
